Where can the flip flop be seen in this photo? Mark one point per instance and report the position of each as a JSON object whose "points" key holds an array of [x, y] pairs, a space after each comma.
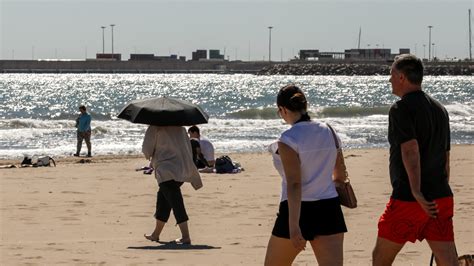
{"points": [[148, 171], [143, 168], [151, 238], [179, 242]]}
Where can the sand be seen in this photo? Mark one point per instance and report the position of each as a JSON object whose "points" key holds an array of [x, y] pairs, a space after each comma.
{"points": [[97, 213]]}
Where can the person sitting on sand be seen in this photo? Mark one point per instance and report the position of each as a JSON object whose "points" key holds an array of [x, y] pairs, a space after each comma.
{"points": [[310, 210], [169, 150], [198, 157], [206, 147]]}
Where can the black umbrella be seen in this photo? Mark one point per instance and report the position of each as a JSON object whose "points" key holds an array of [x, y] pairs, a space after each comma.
{"points": [[163, 111]]}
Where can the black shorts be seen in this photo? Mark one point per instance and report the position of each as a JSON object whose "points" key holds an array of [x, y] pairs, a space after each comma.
{"points": [[321, 217]]}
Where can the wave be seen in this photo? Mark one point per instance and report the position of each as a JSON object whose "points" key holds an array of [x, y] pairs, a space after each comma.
{"points": [[459, 109], [18, 124], [271, 113], [99, 130], [255, 113], [33, 123], [73, 116], [352, 111]]}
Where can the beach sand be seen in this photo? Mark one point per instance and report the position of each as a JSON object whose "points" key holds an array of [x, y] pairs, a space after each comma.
{"points": [[97, 213]]}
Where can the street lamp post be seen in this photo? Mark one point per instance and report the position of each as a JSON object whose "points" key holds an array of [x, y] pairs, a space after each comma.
{"points": [[424, 51], [112, 26], [434, 55], [470, 37], [270, 43], [429, 42], [103, 39]]}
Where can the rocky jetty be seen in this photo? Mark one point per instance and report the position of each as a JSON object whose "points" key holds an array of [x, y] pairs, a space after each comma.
{"points": [[355, 69]]}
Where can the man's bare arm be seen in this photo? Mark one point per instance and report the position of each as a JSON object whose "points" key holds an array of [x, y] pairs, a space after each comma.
{"points": [[411, 162]]}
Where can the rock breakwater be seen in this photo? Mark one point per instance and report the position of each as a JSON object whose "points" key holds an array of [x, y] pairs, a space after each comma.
{"points": [[353, 69]]}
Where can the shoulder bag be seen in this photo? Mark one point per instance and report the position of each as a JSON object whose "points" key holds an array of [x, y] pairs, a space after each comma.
{"points": [[341, 179]]}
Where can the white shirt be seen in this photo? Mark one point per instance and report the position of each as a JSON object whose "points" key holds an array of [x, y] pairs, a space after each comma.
{"points": [[314, 143], [207, 149]]}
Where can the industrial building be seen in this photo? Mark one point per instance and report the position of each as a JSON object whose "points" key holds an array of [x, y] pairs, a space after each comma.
{"points": [[215, 54], [198, 55], [116, 57], [152, 57], [368, 54], [374, 54], [308, 54]]}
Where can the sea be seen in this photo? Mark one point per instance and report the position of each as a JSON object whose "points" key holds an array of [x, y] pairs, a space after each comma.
{"points": [[38, 111]]}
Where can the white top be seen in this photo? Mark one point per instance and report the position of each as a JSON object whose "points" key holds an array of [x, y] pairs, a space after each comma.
{"points": [[207, 149], [169, 150], [314, 143]]}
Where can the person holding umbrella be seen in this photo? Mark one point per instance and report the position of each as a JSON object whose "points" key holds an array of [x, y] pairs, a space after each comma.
{"points": [[167, 146], [169, 150]]}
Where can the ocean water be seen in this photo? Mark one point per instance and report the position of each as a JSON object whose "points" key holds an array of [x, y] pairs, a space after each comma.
{"points": [[37, 111]]}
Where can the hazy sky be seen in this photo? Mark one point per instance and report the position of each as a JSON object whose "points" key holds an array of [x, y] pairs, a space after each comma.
{"points": [[71, 28]]}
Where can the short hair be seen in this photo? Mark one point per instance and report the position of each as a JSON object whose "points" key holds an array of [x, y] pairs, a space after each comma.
{"points": [[193, 129], [83, 107], [411, 66], [292, 98]]}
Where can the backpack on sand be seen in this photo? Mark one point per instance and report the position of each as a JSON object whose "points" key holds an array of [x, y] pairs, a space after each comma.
{"points": [[45, 161], [224, 165]]}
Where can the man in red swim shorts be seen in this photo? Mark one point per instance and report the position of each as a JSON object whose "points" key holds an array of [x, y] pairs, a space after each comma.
{"points": [[421, 205]]}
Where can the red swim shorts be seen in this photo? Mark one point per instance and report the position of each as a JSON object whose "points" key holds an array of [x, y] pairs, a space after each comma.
{"points": [[405, 221]]}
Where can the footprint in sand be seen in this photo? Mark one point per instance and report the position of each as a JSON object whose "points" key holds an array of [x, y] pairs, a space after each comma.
{"points": [[68, 218], [32, 258], [72, 192]]}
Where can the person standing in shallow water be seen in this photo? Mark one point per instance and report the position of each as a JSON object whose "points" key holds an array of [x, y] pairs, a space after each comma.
{"points": [[83, 125], [421, 205], [309, 210]]}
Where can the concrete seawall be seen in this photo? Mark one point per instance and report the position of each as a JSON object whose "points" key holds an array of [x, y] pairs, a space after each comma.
{"points": [[257, 67], [32, 66]]}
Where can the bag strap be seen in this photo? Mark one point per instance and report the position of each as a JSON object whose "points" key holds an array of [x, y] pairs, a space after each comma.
{"points": [[339, 151], [52, 160], [334, 136]]}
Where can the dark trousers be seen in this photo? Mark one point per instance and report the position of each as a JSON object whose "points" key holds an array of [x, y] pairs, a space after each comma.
{"points": [[83, 136], [169, 198]]}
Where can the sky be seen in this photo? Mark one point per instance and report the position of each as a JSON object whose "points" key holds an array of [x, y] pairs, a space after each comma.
{"points": [[71, 29]]}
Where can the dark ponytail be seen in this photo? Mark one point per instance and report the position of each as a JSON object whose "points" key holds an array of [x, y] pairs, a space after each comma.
{"points": [[293, 99]]}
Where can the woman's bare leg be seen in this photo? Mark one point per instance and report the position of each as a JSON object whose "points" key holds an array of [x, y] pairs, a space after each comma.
{"points": [[328, 249], [155, 236], [280, 251], [185, 238]]}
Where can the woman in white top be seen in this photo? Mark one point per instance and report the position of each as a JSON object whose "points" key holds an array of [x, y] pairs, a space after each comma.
{"points": [[309, 209], [169, 149]]}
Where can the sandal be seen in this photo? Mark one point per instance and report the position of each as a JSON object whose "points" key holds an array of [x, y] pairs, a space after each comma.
{"points": [[152, 238], [179, 241]]}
